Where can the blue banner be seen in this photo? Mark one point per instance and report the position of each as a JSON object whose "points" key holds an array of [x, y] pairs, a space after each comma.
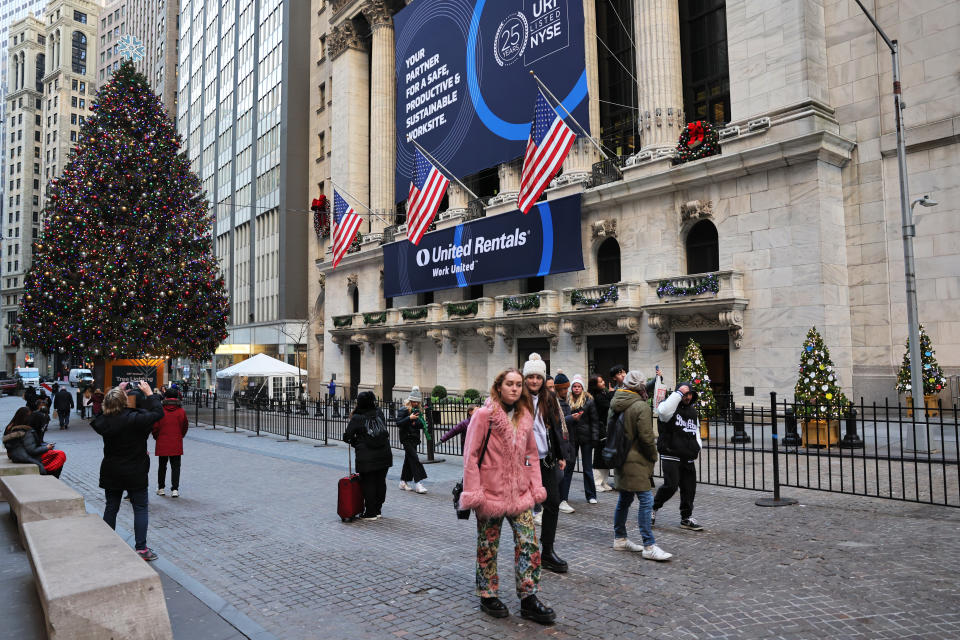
{"points": [[502, 247], [464, 89]]}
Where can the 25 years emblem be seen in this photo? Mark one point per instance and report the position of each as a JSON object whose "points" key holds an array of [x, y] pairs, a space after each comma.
{"points": [[511, 39]]}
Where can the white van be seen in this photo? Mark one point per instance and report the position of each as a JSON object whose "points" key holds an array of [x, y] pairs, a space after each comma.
{"points": [[28, 376], [80, 375]]}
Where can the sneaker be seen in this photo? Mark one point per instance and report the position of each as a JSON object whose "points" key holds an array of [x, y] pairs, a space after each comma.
{"points": [[691, 524], [565, 507], [369, 516], [419, 488], [625, 544], [160, 492], [405, 486], [175, 493], [147, 554], [653, 552], [538, 518], [653, 517], [592, 501]]}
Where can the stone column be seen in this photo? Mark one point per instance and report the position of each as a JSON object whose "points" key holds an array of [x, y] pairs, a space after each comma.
{"points": [[578, 167], [458, 199], [383, 87], [350, 166], [509, 181], [659, 74]]}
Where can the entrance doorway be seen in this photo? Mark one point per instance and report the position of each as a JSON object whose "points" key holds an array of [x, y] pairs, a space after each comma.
{"points": [[605, 352], [388, 363], [354, 370], [715, 346], [526, 346]]}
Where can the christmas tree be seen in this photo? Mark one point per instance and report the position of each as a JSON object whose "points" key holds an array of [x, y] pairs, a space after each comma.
{"points": [[693, 368], [125, 264], [818, 393], [933, 378]]}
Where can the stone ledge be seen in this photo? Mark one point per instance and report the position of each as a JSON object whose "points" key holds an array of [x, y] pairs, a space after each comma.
{"points": [[923, 136], [36, 497]]}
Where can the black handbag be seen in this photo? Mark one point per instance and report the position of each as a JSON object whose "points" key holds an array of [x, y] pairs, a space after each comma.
{"points": [[464, 514]]}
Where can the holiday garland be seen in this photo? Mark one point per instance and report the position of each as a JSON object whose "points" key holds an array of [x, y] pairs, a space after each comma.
{"points": [[817, 392], [933, 378], [708, 283], [577, 297], [463, 308], [415, 313], [375, 317], [693, 369], [522, 303], [343, 321], [698, 140], [355, 245], [321, 216]]}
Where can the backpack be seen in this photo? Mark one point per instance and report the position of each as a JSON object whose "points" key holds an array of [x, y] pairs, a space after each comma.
{"points": [[616, 448], [375, 427]]}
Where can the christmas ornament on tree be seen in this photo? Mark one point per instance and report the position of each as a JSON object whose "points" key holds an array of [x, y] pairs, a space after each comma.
{"points": [[693, 368], [933, 379], [817, 392], [125, 264]]}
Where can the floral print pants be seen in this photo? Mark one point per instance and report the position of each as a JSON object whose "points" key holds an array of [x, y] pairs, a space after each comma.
{"points": [[526, 554]]}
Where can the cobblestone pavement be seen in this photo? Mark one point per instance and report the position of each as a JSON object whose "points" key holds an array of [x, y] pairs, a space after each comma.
{"points": [[257, 524]]}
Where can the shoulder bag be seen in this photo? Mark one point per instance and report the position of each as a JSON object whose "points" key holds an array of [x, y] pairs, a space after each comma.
{"points": [[464, 514]]}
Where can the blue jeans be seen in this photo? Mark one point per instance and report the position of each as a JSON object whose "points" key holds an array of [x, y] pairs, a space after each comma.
{"points": [[585, 451], [644, 510], [138, 497], [64, 418]]}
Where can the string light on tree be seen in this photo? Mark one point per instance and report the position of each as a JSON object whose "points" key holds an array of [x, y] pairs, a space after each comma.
{"points": [[693, 369], [125, 264]]}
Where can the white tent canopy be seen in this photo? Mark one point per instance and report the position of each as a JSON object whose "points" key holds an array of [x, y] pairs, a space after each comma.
{"points": [[261, 365]]}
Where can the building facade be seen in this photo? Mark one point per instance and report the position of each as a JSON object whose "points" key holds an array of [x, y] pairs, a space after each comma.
{"points": [[112, 27], [242, 112], [154, 22], [795, 223]]}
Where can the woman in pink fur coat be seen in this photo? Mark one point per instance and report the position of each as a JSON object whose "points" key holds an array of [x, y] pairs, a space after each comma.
{"points": [[501, 479]]}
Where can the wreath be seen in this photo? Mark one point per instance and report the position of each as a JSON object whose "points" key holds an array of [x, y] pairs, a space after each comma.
{"points": [[698, 140], [321, 216]]}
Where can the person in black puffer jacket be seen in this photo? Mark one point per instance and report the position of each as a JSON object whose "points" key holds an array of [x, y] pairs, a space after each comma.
{"points": [[367, 432], [21, 442], [597, 387], [125, 424], [411, 422], [584, 426], [679, 445]]}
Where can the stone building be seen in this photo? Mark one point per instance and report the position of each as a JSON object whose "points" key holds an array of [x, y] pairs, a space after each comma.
{"points": [[797, 220]]}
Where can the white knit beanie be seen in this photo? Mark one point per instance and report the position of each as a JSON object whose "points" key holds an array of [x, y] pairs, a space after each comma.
{"points": [[415, 395], [634, 380], [578, 379], [535, 366]]}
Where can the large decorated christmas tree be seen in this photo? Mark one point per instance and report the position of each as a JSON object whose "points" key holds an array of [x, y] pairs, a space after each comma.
{"points": [[933, 378], [125, 264], [693, 369], [818, 393]]}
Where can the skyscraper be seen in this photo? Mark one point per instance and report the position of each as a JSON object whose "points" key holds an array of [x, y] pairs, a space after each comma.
{"points": [[242, 108]]}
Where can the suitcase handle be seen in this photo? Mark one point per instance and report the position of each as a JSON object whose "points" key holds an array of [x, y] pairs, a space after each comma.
{"points": [[349, 461]]}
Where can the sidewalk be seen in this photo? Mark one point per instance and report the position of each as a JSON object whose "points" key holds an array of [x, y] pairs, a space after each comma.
{"points": [[257, 524]]}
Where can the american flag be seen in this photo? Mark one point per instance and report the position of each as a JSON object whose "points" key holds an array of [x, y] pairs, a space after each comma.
{"points": [[347, 222], [547, 147], [426, 191]]}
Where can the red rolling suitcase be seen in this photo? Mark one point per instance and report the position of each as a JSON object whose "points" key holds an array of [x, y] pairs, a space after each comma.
{"points": [[349, 495]]}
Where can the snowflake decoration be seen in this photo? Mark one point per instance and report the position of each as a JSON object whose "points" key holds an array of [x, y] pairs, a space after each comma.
{"points": [[130, 47]]}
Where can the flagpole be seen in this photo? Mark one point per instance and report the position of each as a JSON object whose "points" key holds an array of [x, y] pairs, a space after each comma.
{"points": [[582, 130], [358, 201], [445, 170]]}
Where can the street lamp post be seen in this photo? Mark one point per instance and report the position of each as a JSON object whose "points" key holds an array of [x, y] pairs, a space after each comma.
{"points": [[909, 231]]}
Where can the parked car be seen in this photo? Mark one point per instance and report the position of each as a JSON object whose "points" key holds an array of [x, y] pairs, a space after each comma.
{"points": [[8, 384], [80, 377]]}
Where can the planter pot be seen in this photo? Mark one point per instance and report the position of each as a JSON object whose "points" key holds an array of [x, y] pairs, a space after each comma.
{"points": [[929, 403], [821, 433], [704, 429]]}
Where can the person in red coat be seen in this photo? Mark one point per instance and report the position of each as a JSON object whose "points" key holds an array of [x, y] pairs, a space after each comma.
{"points": [[169, 433]]}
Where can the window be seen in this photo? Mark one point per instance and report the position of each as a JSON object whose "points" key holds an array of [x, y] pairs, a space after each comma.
{"points": [[619, 125], [703, 251], [79, 57], [533, 285], [74, 84], [608, 262], [706, 75], [80, 17]]}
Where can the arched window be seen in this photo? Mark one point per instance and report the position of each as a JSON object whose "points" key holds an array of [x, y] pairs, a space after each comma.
{"points": [[608, 262], [356, 300], [703, 250], [79, 52]]}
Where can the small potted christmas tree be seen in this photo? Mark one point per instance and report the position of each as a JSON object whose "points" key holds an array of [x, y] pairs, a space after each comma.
{"points": [[933, 379], [693, 368], [818, 396]]}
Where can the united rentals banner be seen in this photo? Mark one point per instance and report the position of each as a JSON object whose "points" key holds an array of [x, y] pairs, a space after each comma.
{"points": [[502, 247], [464, 89]]}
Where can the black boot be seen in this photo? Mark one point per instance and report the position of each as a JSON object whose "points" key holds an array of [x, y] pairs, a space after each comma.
{"points": [[494, 607], [550, 561], [532, 608]]}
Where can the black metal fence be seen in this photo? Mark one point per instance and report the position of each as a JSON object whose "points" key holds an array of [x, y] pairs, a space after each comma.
{"points": [[882, 451]]}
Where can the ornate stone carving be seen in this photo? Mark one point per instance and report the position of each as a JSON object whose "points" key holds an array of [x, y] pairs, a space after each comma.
{"points": [[453, 336], [506, 333], [733, 320], [552, 331], [322, 280], [437, 336], [575, 329], [342, 37], [338, 340], [604, 229], [631, 326], [378, 14], [352, 280], [661, 325], [695, 210], [489, 334], [361, 341]]}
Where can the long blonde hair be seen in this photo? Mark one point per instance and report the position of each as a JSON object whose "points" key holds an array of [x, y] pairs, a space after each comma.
{"points": [[581, 399]]}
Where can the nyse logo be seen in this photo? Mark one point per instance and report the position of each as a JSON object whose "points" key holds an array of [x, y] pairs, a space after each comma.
{"points": [[549, 28]]}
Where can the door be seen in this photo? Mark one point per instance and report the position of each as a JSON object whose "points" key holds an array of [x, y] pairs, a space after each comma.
{"points": [[526, 346], [715, 346], [388, 364], [605, 352], [354, 370]]}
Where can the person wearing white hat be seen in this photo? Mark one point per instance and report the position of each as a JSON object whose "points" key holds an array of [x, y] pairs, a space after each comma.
{"points": [[584, 425], [411, 423]]}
